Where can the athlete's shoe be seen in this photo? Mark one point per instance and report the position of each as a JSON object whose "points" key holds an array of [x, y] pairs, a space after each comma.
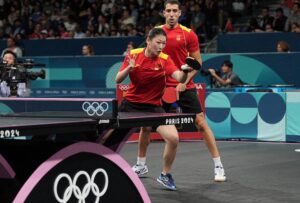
{"points": [[219, 174], [140, 169], [167, 181]]}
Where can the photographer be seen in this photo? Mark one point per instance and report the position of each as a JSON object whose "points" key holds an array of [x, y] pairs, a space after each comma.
{"points": [[229, 79], [9, 61]]}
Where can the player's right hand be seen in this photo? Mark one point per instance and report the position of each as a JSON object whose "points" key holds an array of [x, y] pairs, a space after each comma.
{"points": [[181, 87]]}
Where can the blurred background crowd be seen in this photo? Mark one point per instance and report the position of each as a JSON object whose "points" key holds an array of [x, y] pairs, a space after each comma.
{"points": [[51, 19]]}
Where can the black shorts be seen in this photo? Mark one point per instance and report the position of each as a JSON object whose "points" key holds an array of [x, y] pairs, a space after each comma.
{"points": [[127, 106], [188, 102]]}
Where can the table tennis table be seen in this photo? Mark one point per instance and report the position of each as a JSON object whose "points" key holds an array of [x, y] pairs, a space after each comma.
{"points": [[50, 151]]}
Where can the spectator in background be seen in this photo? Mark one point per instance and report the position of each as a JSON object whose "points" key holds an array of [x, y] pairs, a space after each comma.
{"points": [[253, 26], [269, 28], [12, 46], [198, 20], [103, 26], [229, 25], [126, 19], [88, 50], [295, 28], [294, 17], [185, 18], [238, 6], [283, 46], [62, 32], [229, 79], [279, 20], [37, 32], [78, 34], [70, 23], [265, 18], [287, 6], [211, 11], [130, 46], [3, 35], [17, 28], [52, 34]]}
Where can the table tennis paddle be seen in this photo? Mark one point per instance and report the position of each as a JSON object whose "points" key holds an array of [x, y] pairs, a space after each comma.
{"points": [[170, 95], [193, 63]]}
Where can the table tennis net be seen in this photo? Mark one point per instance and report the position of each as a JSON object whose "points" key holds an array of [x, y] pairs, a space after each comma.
{"points": [[59, 107]]}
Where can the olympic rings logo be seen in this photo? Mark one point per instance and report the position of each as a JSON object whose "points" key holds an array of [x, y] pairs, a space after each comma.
{"points": [[95, 108], [81, 193], [123, 87]]}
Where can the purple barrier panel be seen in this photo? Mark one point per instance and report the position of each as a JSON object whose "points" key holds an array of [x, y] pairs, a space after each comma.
{"points": [[83, 172], [6, 170]]}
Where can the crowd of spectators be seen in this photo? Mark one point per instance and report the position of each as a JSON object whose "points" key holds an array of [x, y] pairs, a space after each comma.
{"points": [[285, 18], [49, 19]]}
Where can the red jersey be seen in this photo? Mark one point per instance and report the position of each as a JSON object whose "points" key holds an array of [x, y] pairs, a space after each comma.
{"points": [[180, 41], [148, 77]]}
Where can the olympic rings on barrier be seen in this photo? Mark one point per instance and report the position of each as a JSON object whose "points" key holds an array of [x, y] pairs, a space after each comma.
{"points": [[80, 193], [123, 87], [95, 108]]}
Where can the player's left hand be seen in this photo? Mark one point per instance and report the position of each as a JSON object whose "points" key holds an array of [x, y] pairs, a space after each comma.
{"points": [[181, 87], [212, 71], [131, 61]]}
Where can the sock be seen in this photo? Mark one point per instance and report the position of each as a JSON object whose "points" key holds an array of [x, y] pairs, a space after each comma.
{"points": [[141, 161], [217, 161]]}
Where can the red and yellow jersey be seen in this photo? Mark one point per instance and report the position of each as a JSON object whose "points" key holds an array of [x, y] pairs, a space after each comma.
{"points": [[180, 42], [148, 77]]}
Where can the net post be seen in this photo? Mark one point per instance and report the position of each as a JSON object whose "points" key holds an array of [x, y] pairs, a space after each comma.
{"points": [[114, 108]]}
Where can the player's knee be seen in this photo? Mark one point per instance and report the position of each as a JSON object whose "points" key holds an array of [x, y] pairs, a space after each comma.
{"points": [[200, 122], [173, 140]]}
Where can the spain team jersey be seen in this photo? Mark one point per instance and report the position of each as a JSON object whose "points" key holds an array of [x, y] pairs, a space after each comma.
{"points": [[180, 41], [148, 77]]}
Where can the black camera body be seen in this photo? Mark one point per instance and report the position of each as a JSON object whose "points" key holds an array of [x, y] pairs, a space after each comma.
{"points": [[18, 73], [205, 72]]}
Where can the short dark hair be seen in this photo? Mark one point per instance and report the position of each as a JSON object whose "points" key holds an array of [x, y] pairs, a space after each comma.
{"points": [[172, 2], [10, 52], [156, 31], [227, 63]]}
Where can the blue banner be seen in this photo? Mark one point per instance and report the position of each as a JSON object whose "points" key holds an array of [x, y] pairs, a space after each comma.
{"points": [[256, 42], [100, 71]]}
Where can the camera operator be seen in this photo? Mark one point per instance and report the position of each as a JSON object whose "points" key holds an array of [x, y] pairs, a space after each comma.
{"points": [[8, 64], [228, 79]]}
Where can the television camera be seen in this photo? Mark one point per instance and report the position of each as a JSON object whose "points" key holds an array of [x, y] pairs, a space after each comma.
{"points": [[16, 73], [205, 72]]}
